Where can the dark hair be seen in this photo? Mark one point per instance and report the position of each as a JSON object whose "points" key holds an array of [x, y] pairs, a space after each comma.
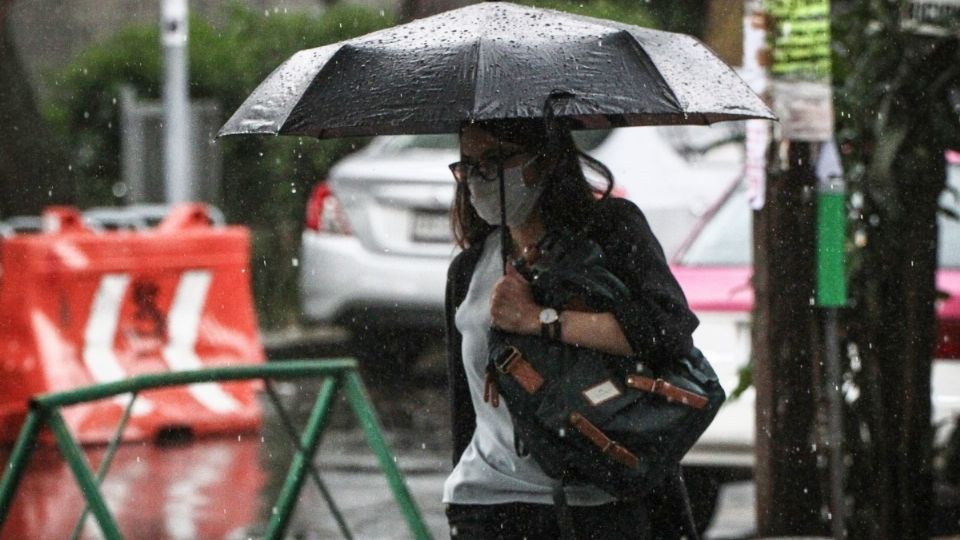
{"points": [[568, 198]]}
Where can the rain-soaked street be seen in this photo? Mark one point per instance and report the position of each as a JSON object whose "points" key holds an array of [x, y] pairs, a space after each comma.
{"points": [[223, 487]]}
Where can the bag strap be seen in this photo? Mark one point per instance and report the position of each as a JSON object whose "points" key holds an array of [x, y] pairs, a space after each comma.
{"points": [[564, 517], [608, 446], [673, 393], [689, 525]]}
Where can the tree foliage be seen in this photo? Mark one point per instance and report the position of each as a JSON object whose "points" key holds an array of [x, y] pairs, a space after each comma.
{"points": [[266, 180], [627, 11], [33, 173], [895, 119]]}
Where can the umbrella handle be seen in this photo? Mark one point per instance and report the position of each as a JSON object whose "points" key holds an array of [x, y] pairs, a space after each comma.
{"points": [[504, 232]]}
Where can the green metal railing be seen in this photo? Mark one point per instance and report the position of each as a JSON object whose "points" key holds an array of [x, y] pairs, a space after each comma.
{"points": [[338, 374]]}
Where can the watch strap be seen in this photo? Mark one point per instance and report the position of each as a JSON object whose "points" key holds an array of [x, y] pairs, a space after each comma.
{"points": [[551, 330]]}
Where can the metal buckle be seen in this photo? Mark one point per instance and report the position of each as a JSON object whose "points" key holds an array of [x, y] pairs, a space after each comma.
{"points": [[506, 359]]}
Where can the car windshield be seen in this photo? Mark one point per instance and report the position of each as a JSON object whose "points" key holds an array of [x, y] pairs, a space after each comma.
{"points": [[949, 245], [726, 239]]}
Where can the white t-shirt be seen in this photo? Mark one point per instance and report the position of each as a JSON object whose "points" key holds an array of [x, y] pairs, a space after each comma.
{"points": [[490, 471]]}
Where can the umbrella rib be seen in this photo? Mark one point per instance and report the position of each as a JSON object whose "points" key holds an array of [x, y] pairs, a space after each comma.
{"points": [[654, 70], [478, 55], [334, 59]]}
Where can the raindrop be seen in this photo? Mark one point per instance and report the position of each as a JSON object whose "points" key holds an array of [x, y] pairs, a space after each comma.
{"points": [[295, 262], [119, 189]]}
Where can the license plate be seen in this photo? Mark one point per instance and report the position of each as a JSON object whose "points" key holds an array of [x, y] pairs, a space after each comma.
{"points": [[431, 227]]}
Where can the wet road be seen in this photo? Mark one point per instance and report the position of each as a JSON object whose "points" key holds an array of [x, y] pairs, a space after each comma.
{"points": [[225, 487]]}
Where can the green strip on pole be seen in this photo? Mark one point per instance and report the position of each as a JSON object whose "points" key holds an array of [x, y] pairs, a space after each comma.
{"points": [[831, 234]]}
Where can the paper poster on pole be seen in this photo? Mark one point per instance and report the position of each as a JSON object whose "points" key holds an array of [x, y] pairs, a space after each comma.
{"points": [[754, 73], [801, 65], [805, 109]]}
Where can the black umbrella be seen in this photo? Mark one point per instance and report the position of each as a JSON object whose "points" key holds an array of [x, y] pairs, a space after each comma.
{"points": [[496, 60]]}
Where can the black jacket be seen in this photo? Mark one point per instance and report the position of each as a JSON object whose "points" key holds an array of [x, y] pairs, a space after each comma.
{"points": [[657, 321]]}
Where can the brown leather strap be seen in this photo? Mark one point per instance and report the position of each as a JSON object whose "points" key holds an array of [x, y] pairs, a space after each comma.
{"points": [[607, 445], [516, 366], [491, 394], [667, 390]]}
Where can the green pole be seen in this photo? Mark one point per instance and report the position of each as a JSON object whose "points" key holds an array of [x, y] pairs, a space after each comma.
{"points": [[831, 235], [18, 461], [831, 296], [360, 402], [287, 501], [81, 471]]}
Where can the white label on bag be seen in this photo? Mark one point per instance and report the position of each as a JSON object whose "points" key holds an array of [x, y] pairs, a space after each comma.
{"points": [[601, 393]]}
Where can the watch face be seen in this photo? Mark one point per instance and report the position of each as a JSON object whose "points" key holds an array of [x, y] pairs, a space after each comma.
{"points": [[548, 316]]}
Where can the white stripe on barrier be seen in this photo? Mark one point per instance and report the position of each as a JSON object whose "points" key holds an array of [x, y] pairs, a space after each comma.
{"points": [[70, 255], [100, 333], [183, 324]]}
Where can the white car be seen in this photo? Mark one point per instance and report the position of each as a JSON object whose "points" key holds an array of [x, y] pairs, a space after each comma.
{"points": [[377, 240]]}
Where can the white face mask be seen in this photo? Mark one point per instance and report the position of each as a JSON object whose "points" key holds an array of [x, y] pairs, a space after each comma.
{"points": [[520, 198]]}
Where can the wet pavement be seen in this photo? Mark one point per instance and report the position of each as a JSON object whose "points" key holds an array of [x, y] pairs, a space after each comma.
{"points": [[224, 487]]}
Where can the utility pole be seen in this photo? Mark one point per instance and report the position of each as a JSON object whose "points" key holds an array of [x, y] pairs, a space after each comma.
{"points": [[177, 158], [784, 39]]}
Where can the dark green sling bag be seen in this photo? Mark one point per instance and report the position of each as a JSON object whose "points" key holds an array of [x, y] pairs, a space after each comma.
{"points": [[588, 417]]}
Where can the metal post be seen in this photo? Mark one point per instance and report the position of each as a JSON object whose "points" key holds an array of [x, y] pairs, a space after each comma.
{"points": [[108, 456], [831, 295], [283, 509], [177, 160], [357, 396], [18, 461], [288, 426], [81, 471]]}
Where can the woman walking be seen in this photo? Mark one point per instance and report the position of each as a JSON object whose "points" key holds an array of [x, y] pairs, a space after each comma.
{"points": [[494, 491]]}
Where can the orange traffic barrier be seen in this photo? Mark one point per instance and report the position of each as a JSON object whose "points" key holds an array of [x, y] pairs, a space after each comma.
{"points": [[78, 307]]}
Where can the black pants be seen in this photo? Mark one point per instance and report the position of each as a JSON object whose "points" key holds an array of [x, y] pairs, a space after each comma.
{"points": [[614, 521]]}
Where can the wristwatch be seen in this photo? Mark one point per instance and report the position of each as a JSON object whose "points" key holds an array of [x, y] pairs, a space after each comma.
{"points": [[550, 323]]}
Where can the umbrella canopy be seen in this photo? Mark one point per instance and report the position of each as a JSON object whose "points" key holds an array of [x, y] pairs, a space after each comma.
{"points": [[496, 60]]}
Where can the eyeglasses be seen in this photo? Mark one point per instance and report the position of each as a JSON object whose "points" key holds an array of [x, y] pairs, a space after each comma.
{"points": [[487, 169]]}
